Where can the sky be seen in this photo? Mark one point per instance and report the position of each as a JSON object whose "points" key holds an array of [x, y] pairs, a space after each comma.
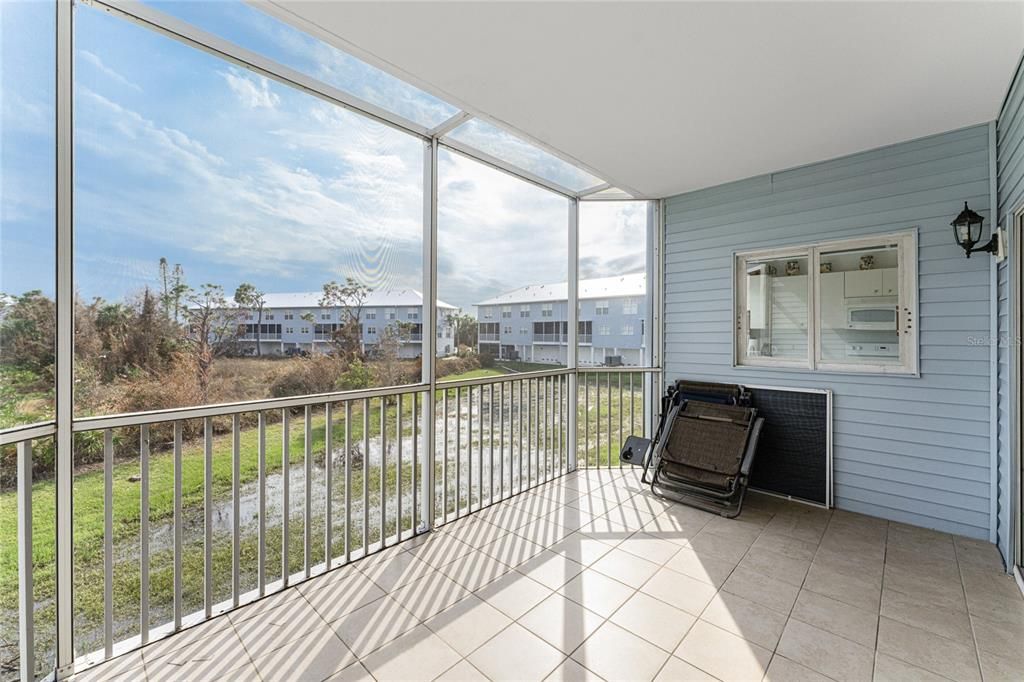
{"points": [[181, 155]]}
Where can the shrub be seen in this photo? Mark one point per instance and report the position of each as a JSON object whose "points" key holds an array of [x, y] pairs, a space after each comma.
{"points": [[314, 374]]}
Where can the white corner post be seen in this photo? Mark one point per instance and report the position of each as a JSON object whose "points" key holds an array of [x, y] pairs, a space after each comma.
{"points": [[572, 356], [429, 336], [64, 365], [654, 334]]}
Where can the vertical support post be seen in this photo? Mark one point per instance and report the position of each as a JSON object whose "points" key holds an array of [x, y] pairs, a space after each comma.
{"points": [[64, 360], [26, 601], [366, 476], [383, 475], [654, 336], [429, 343], [398, 466], [574, 324], [348, 481]]}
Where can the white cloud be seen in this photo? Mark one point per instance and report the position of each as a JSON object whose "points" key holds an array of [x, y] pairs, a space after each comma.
{"points": [[93, 60], [252, 90]]}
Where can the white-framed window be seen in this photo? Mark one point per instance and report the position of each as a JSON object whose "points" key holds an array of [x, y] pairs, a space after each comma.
{"points": [[601, 308], [524, 330], [506, 311], [325, 316], [305, 330], [413, 313], [838, 306], [488, 313], [546, 310], [604, 330], [627, 330], [371, 315], [629, 306], [269, 316], [507, 330], [524, 311], [289, 330], [390, 313], [370, 331], [289, 316]]}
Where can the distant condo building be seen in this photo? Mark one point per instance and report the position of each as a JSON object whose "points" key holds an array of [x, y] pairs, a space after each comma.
{"points": [[297, 322], [530, 324]]}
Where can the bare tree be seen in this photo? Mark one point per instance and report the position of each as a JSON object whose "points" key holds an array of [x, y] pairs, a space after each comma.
{"points": [[349, 298], [388, 353], [249, 297], [212, 330], [173, 288]]}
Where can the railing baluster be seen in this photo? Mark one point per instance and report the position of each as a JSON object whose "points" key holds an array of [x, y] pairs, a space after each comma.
{"points": [[208, 516], [108, 543], [307, 516], [608, 381], [519, 418], [398, 468], [383, 468], [632, 405], [501, 448], [597, 415], [621, 412], [490, 445], [177, 526], [261, 530], [328, 486], [366, 476], [286, 475], [236, 507], [458, 452], [469, 451], [531, 441], [414, 512], [480, 451], [144, 533], [586, 419], [348, 481], [26, 600], [444, 459]]}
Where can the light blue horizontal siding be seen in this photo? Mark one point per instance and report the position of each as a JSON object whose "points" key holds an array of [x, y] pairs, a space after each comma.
{"points": [[1010, 183], [910, 449]]}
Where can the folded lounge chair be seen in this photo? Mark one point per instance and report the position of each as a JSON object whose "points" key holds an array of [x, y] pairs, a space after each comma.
{"points": [[703, 449]]}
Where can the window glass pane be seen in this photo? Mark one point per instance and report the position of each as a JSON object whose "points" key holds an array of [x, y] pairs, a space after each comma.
{"points": [[502, 242], [27, 212], [254, 30], [859, 303], [510, 149], [776, 295], [613, 283], [212, 208]]}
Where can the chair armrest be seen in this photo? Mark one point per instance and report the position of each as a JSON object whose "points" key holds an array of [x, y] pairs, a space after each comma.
{"points": [[748, 456]]}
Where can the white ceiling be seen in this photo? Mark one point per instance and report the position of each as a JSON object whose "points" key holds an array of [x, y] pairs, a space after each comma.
{"points": [[664, 98]]}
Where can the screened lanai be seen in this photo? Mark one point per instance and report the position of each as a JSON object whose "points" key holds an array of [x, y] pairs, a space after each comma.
{"points": [[323, 327]]}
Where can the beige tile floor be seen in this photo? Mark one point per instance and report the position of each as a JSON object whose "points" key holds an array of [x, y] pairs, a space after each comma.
{"points": [[591, 577]]}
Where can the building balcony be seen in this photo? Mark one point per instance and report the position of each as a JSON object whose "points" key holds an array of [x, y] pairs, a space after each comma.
{"points": [[262, 337], [488, 338]]}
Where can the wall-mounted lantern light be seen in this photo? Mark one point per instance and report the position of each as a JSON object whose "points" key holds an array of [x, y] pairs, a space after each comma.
{"points": [[967, 230]]}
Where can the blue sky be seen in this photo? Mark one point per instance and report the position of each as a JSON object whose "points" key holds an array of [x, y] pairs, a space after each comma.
{"points": [[181, 155]]}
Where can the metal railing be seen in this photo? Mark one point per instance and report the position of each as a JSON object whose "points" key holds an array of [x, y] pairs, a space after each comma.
{"points": [[271, 336], [489, 337], [185, 513]]}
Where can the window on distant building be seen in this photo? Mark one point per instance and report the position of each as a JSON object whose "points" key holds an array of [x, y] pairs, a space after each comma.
{"points": [[390, 313], [524, 330], [325, 316], [268, 316], [603, 330], [506, 311], [371, 314], [508, 330], [413, 314], [370, 331], [305, 330], [546, 310], [289, 330], [488, 314], [601, 308], [629, 306], [289, 316], [627, 330], [524, 311]]}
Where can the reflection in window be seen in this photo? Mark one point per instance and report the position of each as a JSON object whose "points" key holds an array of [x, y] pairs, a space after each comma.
{"points": [[776, 308], [248, 27], [238, 199], [505, 146]]}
